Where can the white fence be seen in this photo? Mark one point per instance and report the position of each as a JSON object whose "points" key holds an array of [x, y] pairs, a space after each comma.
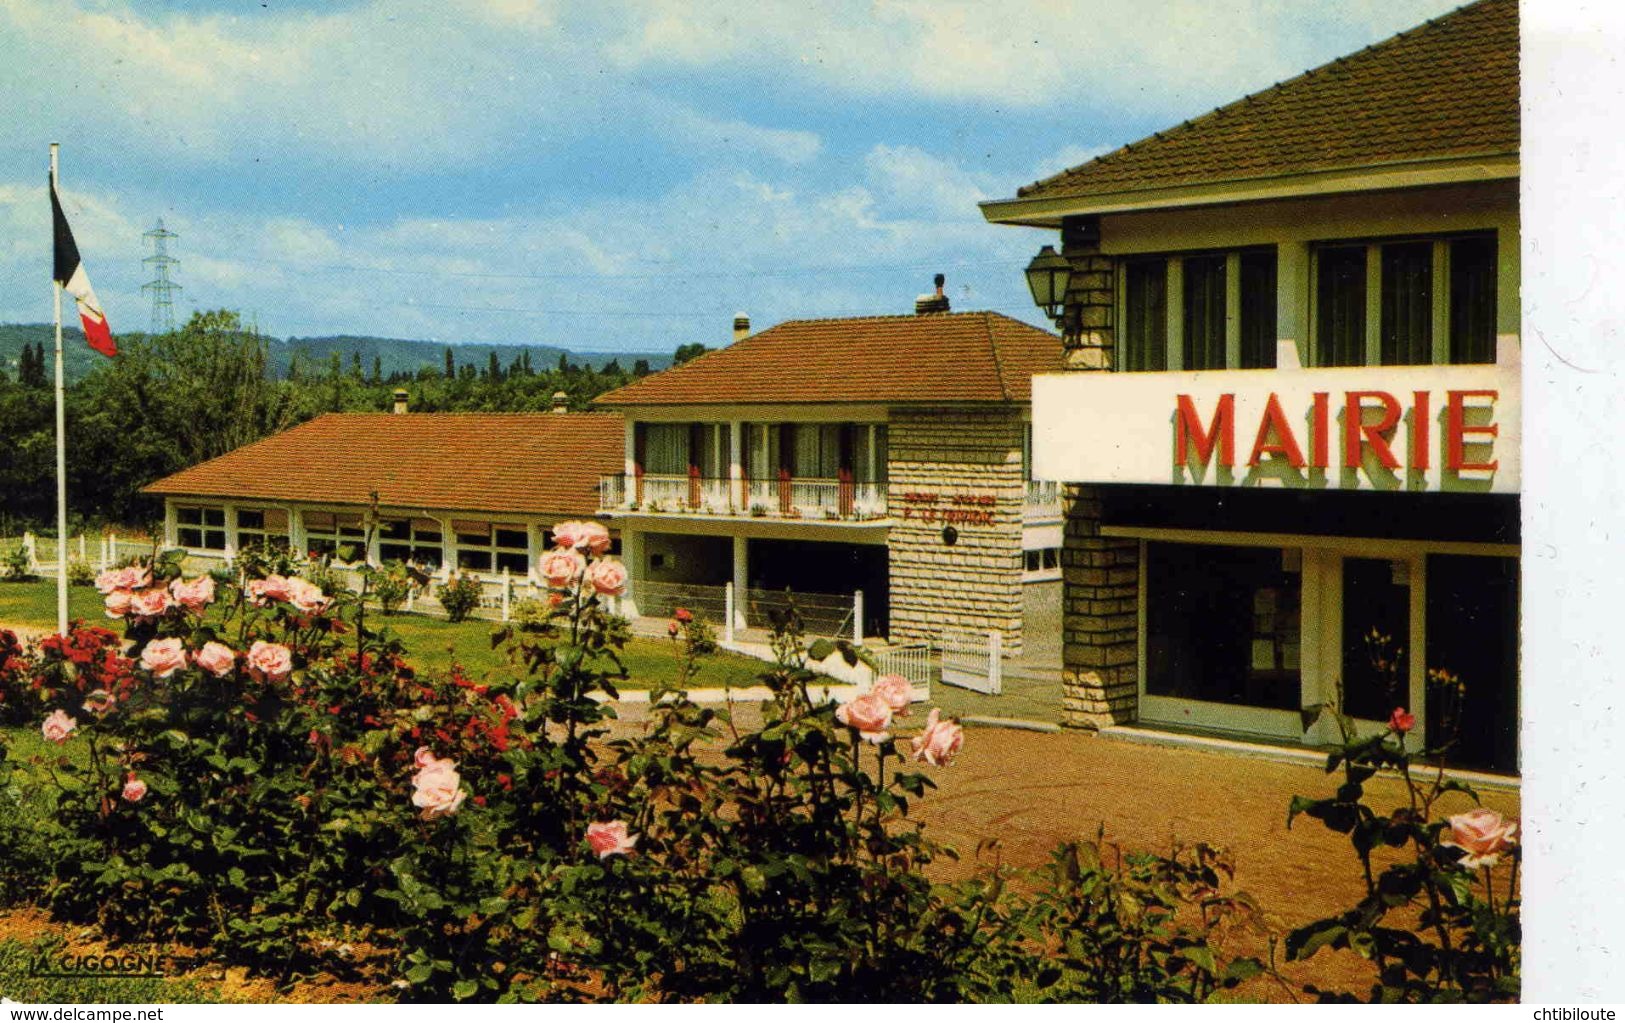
{"points": [[830, 615], [974, 661], [99, 552], [915, 662]]}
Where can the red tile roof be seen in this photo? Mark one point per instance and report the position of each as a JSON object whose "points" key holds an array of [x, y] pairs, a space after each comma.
{"points": [[1448, 88], [533, 463], [935, 358]]}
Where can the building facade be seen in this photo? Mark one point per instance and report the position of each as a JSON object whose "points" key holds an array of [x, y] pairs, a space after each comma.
{"points": [[882, 455], [1290, 430], [468, 492]]}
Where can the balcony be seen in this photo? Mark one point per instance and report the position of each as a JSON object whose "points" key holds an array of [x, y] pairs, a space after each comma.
{"points": [[790, 498]]}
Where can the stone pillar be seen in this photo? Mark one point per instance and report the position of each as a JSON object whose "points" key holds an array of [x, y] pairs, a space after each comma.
{"points": [[1100, 575], [741, 580], [632, 557]]}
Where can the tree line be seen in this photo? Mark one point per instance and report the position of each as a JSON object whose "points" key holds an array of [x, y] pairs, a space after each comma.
{"points": [[170, 401]]}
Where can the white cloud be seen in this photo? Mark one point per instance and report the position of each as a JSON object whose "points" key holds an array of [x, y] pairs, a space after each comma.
{"points": [[730, 138]]}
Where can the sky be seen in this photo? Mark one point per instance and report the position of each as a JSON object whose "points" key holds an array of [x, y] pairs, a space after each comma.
{"points": [[603, 176]]}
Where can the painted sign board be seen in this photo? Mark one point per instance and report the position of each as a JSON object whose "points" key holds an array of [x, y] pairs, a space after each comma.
{"points": [[1399, 428]]}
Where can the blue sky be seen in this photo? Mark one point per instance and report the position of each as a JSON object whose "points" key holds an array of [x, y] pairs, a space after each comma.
{"points": [[603, 176]]}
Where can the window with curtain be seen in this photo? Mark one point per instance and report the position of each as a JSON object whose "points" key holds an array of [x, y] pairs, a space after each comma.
{"points": [[1407, 304], [1258, 310], [665, 450], [1145, 315], [1204, 341], [1472, 299], [1340, 306]]}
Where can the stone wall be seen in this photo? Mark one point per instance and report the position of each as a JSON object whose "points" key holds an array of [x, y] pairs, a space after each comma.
{"points": [[969, 461], [1100, 575]]}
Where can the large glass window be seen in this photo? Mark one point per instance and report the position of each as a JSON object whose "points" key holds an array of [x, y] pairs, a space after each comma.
{"points": [[1376, 636], [1258, 310], [1223, 624], [1204, 341], [340, 534], [487, 547], [414, 540], [1340, 306], [1145, 315], [267, 527], [665, 451], [1407, 304], [1406, 292], [201, 528], [1472, 299]]}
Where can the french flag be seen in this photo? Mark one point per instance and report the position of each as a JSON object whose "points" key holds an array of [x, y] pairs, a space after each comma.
{"points": [[69, 272]]}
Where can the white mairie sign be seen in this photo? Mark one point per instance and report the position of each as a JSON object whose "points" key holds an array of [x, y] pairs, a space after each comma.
{"points": [[1402, 428]]}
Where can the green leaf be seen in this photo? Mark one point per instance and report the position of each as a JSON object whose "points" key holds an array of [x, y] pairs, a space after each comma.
{"points": [[464, 990], [819, 649]]}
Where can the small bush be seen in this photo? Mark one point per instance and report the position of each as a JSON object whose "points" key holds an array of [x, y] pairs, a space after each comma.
{"points": [[460, 596], [81, 574], [15, 566], [390, 585]]}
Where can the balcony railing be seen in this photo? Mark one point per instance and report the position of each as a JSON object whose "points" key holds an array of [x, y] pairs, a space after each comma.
{"points": [[1043, 497], [787, 498]]}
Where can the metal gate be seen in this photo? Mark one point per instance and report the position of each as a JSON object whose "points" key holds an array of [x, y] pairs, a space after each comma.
{"points": [[913, 662], [974, 662]]}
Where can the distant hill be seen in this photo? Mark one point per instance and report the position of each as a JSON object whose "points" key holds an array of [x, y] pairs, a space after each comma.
{"points": [[397, 354]]}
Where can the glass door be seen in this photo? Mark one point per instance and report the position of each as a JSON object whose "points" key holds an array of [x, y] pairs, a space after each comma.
{"points": [[1376, 637]]}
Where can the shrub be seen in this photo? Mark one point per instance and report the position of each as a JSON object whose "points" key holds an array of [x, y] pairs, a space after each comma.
{"points": [[80, 574], [391, 585], [16, 566], [460, 595]]}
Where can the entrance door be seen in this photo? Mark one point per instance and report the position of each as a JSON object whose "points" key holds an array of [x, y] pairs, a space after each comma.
{"points": [[1472, 615], [1376, 637]]}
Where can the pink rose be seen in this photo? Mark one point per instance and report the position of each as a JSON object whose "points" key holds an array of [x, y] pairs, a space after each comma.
{"points": [[58, 726], [99, 703], [1400, 721], [610, 838], [269, 662], [1482, 834], [216, 658], [118, 603], [896, 691], [609, 578], [263, 591], [576, 535], [132, 578], [423, 757], [939, 741], [437, 788], [163, 657], [869, 714], [135, 790], [195, 595], [151, 603], [561, 568], [306, 596]]}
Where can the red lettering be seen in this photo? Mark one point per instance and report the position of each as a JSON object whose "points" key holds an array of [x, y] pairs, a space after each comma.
{"points": [[1276, 420], [1320, 454], [1456, 429], [1221, 431], [1419, 429], [1354, 428]]}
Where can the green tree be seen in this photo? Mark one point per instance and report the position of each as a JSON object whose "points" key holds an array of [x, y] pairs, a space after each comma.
{"points": [[688, 352]]}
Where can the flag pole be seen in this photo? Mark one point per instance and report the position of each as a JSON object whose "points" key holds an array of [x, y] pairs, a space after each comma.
{"points": [[61, 456]]}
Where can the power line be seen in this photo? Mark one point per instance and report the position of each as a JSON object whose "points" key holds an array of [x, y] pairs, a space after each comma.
{"points": [[161, 287]]}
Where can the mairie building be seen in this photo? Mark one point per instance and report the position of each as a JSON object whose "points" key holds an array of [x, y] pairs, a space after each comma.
{"points": [[1289, 423]]}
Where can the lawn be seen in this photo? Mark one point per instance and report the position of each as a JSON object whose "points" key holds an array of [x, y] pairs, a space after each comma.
{"points": [[434, 643]]}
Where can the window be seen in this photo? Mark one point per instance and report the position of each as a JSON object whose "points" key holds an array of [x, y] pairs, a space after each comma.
{"points": [[1223, 624], [665, 449], [1406, 302], [201, 528], [1145, 315], [1043, 559], [339, 534], [1204, 341], [262, 527], [484, 547], [414, 540], [1258, 310]]}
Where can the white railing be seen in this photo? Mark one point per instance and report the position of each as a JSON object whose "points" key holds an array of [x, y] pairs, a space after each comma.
{"points": [[974, 661], [914, 662], [98, 552], [1043, 497], [794, 498]]}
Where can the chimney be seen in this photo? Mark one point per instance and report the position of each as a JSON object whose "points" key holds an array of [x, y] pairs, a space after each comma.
{"points": [[741, 326], [937, 303], [561, 402], [400, 401]]}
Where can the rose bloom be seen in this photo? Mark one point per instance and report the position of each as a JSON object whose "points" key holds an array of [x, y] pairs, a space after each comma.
{"points": [[306, 596], [118, 603], [609, 578], [98, 703], [150, 603], [58, 726], [940, 740], [610, 838], [1400, 721], [869, 714], [132, 578], [1482, 834], [897, 692], [561, 568], [423, 757], [269, 662], [576, 535], [437, 788], [163, 657], [683, 614], [216, 658], [272, 587], [135, 790], [195, 595]]}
